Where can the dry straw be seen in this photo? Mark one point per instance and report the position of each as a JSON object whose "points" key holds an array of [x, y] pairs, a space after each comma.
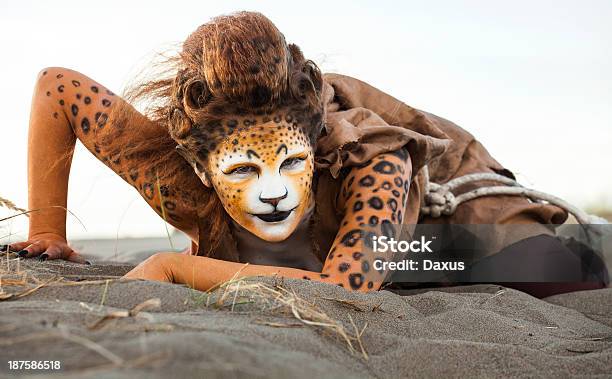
{"points": [[6, 203], [282, 300]]}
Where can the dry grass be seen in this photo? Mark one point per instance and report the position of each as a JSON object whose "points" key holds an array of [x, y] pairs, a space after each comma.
{"points": [[272, 297], [12, 275], [6, 203], [281, 300], [24, 283], [148, 304], [228, 295]]}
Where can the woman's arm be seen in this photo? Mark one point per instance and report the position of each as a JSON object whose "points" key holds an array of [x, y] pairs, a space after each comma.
{"points": [[51, 143], [67, 106], [203, 273], [372, 198]]}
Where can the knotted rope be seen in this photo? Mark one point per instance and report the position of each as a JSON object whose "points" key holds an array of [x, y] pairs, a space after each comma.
{"points": [[440, 200]]}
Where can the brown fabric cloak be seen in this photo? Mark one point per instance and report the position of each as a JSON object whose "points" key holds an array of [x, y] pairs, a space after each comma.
{"points": [[363, 122]]}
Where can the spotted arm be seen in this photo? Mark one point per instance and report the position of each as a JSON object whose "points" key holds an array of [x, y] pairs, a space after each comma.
{"points": [[372, 199]]}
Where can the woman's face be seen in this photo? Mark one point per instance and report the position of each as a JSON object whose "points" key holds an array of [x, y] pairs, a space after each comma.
{"points": [[263, 176]]}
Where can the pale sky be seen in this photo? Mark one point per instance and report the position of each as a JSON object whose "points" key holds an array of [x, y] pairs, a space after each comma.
{"points": [[532, 80]]}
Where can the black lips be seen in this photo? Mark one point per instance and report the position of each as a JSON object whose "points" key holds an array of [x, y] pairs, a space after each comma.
{"points": [[274, 216]]}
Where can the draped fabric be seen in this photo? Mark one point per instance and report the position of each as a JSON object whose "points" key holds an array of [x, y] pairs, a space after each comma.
{"points": [[363, 122]]}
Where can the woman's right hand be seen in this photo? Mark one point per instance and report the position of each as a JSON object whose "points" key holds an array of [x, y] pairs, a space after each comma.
{"points": [[47, 246]]}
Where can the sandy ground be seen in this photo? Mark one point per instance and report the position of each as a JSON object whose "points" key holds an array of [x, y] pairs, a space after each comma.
{"points": [[473, 331]]}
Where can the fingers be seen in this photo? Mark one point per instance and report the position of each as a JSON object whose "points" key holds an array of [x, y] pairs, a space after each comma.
{"points": [[6, 248], [73, 256], [66, 253], [17, 246], [47, 250], [153, 268], [33, 250], [53, 252]]}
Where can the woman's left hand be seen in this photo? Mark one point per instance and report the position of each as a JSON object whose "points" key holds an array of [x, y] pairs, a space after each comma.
{"points": [[157, 267]]}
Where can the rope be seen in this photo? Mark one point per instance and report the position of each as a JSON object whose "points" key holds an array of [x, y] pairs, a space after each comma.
{"points": [[440, 200]]}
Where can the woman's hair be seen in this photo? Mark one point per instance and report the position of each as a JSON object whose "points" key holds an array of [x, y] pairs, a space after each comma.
{"points": [[232, 66]]}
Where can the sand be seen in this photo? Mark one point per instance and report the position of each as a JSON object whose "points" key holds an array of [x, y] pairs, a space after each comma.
{"points": [[471, 331]]}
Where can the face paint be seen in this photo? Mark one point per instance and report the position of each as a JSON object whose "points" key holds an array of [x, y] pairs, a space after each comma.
{"points": [[262, 175]]}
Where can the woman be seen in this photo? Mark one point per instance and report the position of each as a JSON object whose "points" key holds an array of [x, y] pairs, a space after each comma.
{"points": [[259, 159]]}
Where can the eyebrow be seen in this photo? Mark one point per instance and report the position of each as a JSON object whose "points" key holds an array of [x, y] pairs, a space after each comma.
{"points": [[282, 146], [251, 152]]}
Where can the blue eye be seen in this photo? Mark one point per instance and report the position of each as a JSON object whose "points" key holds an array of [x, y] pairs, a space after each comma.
{"points": [[292, 162]]}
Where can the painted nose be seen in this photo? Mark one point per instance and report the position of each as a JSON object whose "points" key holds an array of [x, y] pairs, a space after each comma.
{"points": [[273, 200]]}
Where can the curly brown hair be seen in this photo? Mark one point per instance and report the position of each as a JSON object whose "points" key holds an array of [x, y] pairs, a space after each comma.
{"points": [[234, 65]]}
